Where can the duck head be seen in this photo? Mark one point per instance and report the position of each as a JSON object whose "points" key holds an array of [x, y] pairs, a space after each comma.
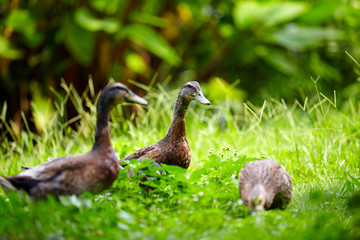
{"points": [[112, 95], [192, 91], [257, 198], [116, 93]]}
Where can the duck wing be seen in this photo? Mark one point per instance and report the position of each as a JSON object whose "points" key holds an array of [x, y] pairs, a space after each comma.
{"points": [[251, 174], [50, 169], [49, 159], [148, 152], [283, 186], [62, 176], [247, 180]]}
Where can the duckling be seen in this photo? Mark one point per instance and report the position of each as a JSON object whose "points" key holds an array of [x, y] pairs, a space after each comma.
{"points": [[265, 183], [174, 149], [94, 171]]}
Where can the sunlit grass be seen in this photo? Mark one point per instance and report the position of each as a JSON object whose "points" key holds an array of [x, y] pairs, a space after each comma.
{"points": [[316, 139]]}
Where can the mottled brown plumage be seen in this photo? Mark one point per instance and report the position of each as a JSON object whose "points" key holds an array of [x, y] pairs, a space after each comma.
{"points": [[265, 183], [93, 171], [174, 148]]}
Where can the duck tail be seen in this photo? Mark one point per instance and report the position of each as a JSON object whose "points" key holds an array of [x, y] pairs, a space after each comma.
{"points": [[6, 185]]}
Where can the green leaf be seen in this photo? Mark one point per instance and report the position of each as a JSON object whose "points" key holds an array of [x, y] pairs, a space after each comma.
{"points": [[226, 30], [99, 5], [152, 41], [279, 12], [7, 50], [135, 62], [148, 19], [320, 12], [21, 21], [85, 19], [277, 60], [247, 13], [322, 68], [302, 38], [214, 157], [197, 174], [126, 216], [108, 6], [80, 42], [35, 39], [224, 90], [173, 169]]}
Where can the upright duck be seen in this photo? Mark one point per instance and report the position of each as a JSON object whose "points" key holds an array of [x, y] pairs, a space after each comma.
{"points": [[265, 183], [94, 171], [174, 149]]}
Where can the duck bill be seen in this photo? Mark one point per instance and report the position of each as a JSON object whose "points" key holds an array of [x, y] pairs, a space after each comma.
{"points": [[132, 97], [200, 98]]}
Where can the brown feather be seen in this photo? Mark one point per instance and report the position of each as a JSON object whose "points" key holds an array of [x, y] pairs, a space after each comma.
{"points": [[94, 171], [173, 149]]}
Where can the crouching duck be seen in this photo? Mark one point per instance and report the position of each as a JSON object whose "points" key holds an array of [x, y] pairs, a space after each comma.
{"points": [[94, 171], [174, 149], [265, 183]]}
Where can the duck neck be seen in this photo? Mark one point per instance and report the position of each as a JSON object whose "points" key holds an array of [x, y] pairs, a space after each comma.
{"points": [[102, 132], [177, 127]]}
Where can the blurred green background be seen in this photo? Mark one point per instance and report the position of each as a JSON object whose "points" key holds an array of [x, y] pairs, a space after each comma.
{"points": [[251, 50]]}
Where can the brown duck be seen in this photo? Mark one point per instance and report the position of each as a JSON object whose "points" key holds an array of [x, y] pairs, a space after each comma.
{"points": [[265, 183], [93, 171], [174, 149]]}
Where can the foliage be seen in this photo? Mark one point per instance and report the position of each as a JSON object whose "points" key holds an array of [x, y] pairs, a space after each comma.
{"points": [[316, 141], [269, 48]]}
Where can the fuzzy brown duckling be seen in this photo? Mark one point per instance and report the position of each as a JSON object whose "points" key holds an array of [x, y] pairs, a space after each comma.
{"points": [[94, 171], [265, 183], [174, 149]]}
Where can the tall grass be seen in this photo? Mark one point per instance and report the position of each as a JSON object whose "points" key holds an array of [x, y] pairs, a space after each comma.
{"points": [[316, 139]]}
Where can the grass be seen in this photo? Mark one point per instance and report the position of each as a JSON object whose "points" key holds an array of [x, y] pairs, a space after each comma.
{"points": [[315, 139]]}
